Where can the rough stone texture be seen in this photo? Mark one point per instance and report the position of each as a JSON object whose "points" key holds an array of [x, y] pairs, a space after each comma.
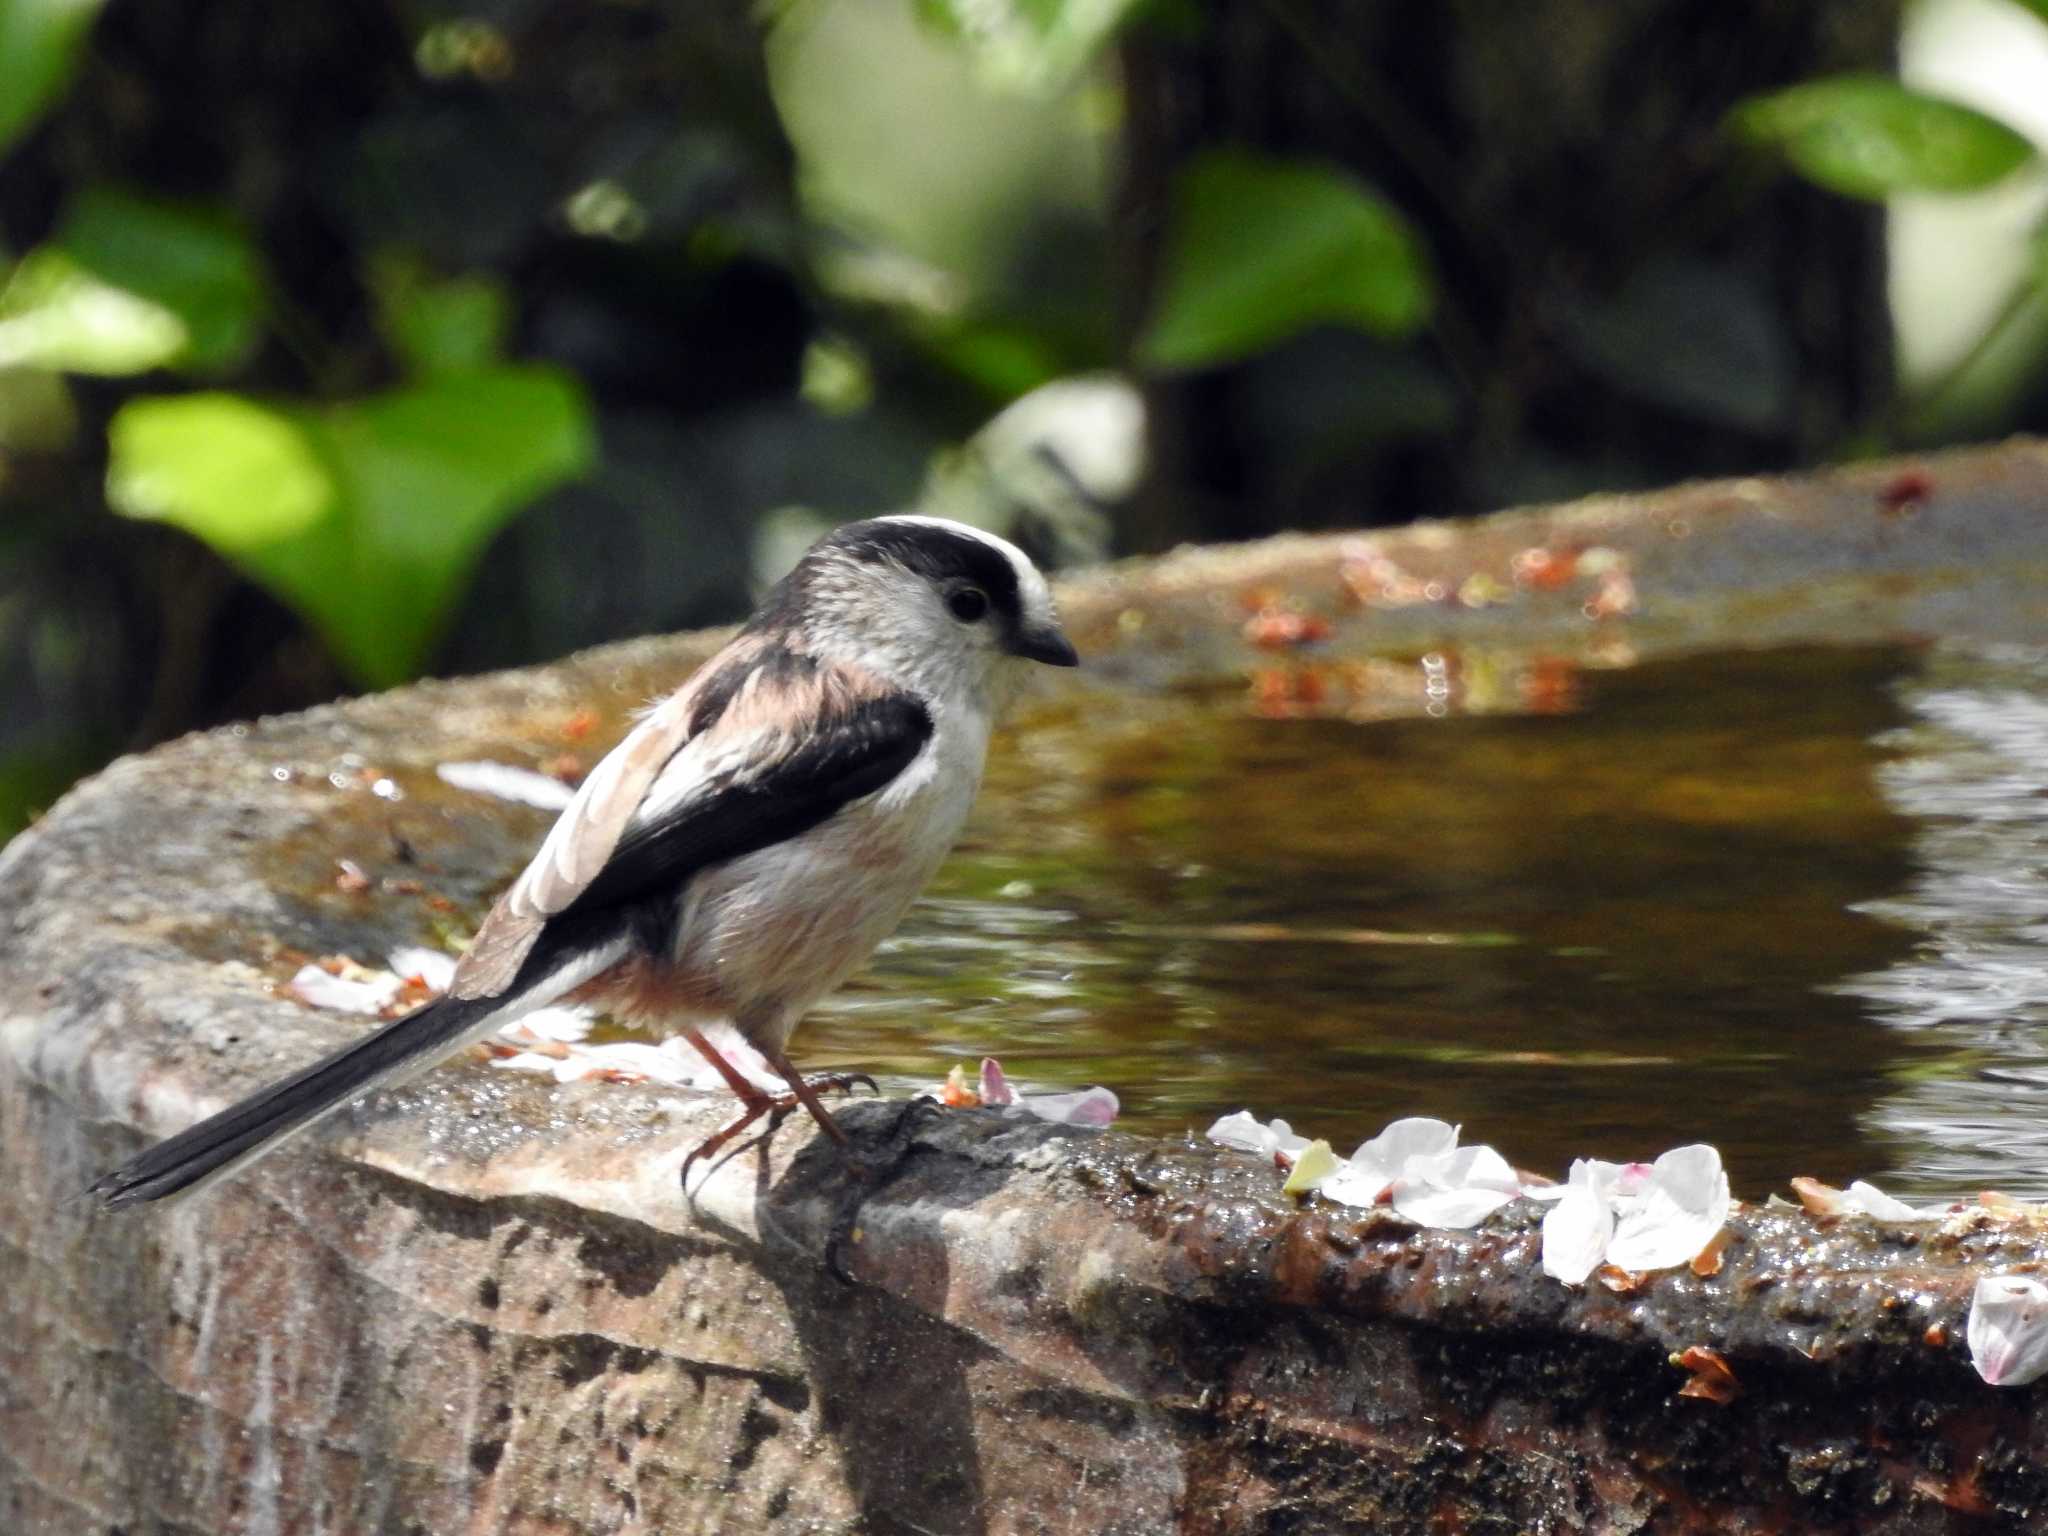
{"points": [[484, 1305]]}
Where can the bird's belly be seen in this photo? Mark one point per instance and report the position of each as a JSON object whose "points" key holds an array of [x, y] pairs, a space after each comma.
{"points": [[771, 933]]}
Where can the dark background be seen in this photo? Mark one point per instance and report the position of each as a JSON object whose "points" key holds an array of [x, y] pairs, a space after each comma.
{"points": [[344, 343]]}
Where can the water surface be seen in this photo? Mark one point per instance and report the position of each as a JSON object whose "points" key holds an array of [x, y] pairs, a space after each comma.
{"points": [[1791, 902]]}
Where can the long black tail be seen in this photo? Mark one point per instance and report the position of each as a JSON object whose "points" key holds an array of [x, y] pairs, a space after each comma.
{"points": [[263, 1121]]}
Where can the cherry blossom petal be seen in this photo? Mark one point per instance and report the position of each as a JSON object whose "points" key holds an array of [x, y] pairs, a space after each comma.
{"points": [[1388, 1153], [995, 1087], [564, 1022], [1454, 1189], [1249, 1134], [434, 967], [2008, 1329], [1577, 1230], [1685, 1204], [1090, 1106], [502, 781], [368, 992], [1872, 1201]]}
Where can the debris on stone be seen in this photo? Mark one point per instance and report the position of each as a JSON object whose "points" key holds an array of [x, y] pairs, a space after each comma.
{"points": [[1711, 1379]]}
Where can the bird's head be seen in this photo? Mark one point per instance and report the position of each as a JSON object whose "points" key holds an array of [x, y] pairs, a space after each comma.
{"points": [[931, 605]]}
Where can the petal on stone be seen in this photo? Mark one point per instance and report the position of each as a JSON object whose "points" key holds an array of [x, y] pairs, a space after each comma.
{"points": [[1872, 1201], [1456, 1206], [434, 967], [2008, 1329], [1414, 1136], [995, 1087], [1090, 1106], [1577, 1229], [1270, 1138], [502, 781], [368, 993], [1685, 1204], [564, 1023]]}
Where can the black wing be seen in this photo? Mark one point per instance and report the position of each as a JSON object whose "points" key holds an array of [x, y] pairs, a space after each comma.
{"points": [[853, 750]]}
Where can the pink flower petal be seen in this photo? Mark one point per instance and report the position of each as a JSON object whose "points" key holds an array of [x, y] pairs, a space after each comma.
{"points": [[1090, 1106], [995, 1088]]}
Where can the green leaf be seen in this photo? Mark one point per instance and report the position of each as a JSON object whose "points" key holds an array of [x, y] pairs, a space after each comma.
{"points": [[1031, 46], [2038, 7], [1869, 136], [55, 314], [366, 518], [193, 261], [129, 285], [435, 326], [1260, 249], [40, 45], [242, 476]]}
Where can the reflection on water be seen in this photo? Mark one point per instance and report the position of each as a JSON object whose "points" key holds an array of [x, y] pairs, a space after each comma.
{"points": [[1972, 773], [1610, 931]]}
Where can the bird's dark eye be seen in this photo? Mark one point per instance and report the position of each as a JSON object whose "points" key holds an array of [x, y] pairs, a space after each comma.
{"points": [[968, 605]]}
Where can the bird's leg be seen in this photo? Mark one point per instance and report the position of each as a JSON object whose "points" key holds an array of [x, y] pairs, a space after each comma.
{"points": [[754, 1103], [806, 1093]]}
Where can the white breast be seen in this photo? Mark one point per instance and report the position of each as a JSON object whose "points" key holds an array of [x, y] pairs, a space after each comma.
{"points": [[774, 931]]}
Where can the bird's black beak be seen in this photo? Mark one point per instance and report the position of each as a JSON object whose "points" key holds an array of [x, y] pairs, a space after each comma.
{"points": [[1045, 643]]}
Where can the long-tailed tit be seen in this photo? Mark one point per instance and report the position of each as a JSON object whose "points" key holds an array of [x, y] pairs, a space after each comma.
{"points": [[741, 851]]}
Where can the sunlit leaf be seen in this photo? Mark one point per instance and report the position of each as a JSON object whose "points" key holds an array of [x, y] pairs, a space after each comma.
{"points": [[440, 325], [366, 518], [1261, 249], [129, 285], [191, 260], [40, 44], [242, 476], [55, 314], [1869, 136], [1034, 46]]}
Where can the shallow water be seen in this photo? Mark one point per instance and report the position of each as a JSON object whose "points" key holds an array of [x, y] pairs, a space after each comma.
{"points": [[1794, 903]]}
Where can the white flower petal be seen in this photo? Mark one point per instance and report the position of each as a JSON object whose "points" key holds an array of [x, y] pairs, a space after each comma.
{"points": [[1245, 1132], [1388, 1153], [1090, 1106], [434, 967], [1578, 1228], [564, 1023], [503, 781], [1350, 1184], [1455, 1188], [1872, 1201], [1461, 1206], [2008, 1329], [1677, 1215], [369, 993]]}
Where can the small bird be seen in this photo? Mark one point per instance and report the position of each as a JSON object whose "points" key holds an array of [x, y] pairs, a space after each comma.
{"points": [[741, 851]]}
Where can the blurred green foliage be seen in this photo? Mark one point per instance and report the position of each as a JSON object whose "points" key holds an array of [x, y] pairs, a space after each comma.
{"points": [[1869, 136], [338, 344], [1260, 249]]}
